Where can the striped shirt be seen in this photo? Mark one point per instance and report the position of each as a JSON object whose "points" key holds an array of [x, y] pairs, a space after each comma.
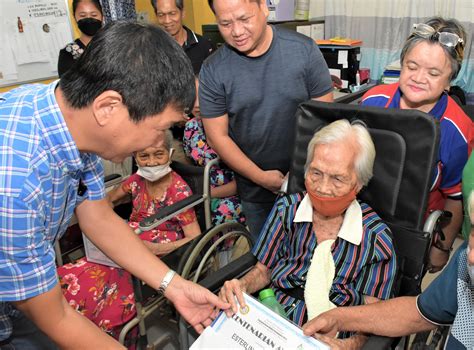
{"points": [[286, 245], [41, 169]]}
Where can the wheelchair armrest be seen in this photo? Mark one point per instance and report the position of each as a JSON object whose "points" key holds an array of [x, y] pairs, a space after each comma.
{"points": [[377, 342], [169, 212], [234, 269]]}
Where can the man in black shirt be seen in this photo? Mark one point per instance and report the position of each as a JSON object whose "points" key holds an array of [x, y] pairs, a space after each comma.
{"points": [[170, 14]]}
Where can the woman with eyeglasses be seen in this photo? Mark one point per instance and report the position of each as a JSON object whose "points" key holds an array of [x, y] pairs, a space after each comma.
{"points": [[431, 58], [89, 17]]}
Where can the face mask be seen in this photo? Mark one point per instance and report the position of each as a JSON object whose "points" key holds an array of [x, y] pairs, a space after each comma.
{"points": [[470, 268], [330, 206], [89, 26], [154, 173]]}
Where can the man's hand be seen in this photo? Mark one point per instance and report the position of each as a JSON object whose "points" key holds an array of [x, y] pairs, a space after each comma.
{"points": [[229, 291], [272, 180], [196, 304], [353, 343], [325, 324]]}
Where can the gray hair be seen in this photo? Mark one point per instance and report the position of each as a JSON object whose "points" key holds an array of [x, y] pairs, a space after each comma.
{"points": [[343, 130], [179, 5], [455, 55]]}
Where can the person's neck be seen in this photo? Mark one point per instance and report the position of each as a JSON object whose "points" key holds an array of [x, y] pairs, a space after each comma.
{"points": [[265, 44], [85, 39], [78, 122], [426, 107], [181, 36]]}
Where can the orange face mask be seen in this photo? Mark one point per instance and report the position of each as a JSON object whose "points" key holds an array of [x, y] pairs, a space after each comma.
{"points": [[330, 206]]}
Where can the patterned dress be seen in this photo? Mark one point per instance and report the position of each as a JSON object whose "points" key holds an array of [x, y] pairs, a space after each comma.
{"points": [[195, 146], [105, 294]]}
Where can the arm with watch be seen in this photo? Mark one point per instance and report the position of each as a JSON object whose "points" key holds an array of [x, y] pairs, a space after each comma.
{"points": [[115, 238]]}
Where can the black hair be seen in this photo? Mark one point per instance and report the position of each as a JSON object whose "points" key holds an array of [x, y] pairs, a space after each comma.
{"points": [[144, 64], [76, 2], [179, 5], [211, 4]]}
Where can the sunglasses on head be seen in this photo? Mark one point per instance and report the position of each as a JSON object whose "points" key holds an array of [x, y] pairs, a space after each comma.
{"points": [[448, 39]]}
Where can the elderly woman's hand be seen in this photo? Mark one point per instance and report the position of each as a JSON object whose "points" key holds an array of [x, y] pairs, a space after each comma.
{"points": [[229, 291]]}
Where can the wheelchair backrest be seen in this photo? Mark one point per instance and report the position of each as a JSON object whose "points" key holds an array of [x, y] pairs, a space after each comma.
{"points": [[406, 143], [194, 177]]}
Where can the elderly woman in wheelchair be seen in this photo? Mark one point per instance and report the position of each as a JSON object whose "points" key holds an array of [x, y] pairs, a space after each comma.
{"points": [[430, 59], [323, 248], [105, 294]]}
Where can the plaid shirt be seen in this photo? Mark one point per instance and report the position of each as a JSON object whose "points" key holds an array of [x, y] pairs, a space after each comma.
{"points": [[40, 172]]}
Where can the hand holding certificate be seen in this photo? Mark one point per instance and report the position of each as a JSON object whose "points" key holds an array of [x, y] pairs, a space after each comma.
{"points": [[254, 327]]}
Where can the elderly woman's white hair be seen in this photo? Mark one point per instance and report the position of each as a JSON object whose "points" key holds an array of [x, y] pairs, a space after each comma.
{"points": [[341, 130]]}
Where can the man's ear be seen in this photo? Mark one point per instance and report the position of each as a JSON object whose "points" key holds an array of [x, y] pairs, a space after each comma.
{"points": [[105, 106]]}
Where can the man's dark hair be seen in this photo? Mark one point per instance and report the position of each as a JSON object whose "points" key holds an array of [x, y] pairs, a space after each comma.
{"points": [[144, 64], [179, 4], [95, 2], [211, 4]]}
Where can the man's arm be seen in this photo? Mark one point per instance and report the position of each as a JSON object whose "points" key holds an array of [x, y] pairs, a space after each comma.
{"points": [[329, 97], [393, 318], [218, 137], [117, 240], [65, 326]]}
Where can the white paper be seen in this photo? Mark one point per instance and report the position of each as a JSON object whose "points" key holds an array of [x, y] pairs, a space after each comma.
{"points": [[335, 72], [255, 327], [342, 58], [317, 31], [306, 30]]}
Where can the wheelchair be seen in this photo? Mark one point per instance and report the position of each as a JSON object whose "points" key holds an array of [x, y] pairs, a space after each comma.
{"points": [[157, 324], [406, 142]]}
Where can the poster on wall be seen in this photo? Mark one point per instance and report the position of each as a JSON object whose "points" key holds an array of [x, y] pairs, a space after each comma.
{"points": [[32, 33]]}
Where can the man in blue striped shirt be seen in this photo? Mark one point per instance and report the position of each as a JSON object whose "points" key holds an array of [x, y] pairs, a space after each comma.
{"points": [[132, 83], [322, 248]]}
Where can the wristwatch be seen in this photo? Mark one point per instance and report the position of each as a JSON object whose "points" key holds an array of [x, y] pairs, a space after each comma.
{"points": [[166, 281]]}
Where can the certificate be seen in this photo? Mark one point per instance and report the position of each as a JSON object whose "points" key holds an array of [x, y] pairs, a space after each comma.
{"points": [[255, 327]]}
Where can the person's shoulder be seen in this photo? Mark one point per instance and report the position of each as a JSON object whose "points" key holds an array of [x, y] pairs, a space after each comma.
{"points": [[379, 94], [293, 38], [371, 220]]}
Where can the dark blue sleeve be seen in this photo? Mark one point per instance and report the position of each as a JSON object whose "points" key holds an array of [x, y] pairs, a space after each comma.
{"points": [[438, 303]]}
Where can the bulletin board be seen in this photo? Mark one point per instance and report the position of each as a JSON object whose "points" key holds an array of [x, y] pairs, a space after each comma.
{"points": [[31, 34]]}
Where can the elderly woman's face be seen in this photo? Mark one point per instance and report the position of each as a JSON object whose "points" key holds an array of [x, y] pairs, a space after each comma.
{"points": [[152, 156], [331, 172], [424, 76]]}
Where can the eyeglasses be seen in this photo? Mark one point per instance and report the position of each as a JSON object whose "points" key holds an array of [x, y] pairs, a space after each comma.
{"points": [[450, 40]]}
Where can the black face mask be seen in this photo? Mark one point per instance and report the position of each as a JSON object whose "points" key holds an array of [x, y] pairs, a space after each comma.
{"points": [[89, 26]]}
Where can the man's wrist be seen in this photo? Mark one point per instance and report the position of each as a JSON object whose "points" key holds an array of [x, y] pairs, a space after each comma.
{"points": [[165, 282]]}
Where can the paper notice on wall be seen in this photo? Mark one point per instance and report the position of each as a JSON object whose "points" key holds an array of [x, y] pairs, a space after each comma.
{"points": [[317, 31], [342, 58]]}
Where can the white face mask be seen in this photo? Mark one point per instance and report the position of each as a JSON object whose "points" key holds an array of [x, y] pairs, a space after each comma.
{"points": [[154, 173], [470, 268]]}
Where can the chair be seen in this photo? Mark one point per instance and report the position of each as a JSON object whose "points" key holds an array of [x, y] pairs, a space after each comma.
{"points": [[192, 261], [407, 144]]}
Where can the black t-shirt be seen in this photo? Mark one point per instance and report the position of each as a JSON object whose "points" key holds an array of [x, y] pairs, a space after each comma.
{"points": [[197, 48]]}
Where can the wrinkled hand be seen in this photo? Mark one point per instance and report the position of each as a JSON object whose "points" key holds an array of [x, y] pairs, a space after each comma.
{"points": [[438, 259], [198, 306], [272, 180], [229, 291], [324, 324]]}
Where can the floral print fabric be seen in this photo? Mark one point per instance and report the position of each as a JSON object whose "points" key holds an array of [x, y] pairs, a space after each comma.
{"points": [[105, 294], [196, 148]]}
